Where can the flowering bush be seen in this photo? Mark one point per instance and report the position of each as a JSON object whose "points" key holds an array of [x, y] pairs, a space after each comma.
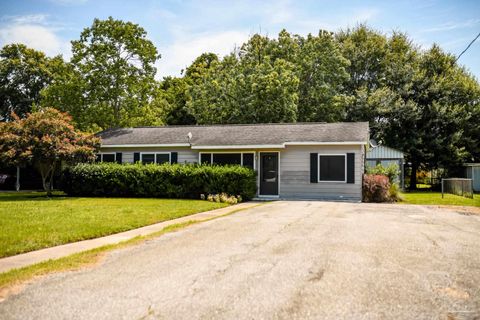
{"points": [[375, 188], [222, 197]]}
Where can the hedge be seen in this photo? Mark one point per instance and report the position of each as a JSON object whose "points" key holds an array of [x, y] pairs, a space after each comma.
{"points": [[152, 180]]}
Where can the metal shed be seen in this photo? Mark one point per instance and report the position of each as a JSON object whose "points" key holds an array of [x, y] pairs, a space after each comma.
{"points": [[473, 172], [385, 156]]}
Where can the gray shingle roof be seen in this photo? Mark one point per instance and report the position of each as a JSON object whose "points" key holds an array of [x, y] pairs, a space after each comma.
{"points": [[237, 135]]}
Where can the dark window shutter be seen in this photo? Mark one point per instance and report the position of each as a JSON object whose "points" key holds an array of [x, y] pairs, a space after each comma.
{"points": [[350, 167], [314, 167], [174, 157], [136, 157], [118, 157]]}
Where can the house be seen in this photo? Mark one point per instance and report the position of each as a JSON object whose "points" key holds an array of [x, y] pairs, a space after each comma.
{"points": [[385, 156], [473, 172], [302, 160]]}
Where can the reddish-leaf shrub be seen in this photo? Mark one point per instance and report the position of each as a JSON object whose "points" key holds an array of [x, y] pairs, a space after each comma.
{"points": [[375, 188]]}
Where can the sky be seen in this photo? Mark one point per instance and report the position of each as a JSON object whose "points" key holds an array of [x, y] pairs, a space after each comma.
{"points": [[182, 30]]}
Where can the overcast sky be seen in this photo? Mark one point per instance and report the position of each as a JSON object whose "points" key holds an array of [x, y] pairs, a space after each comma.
{"points": [[182, 30]]}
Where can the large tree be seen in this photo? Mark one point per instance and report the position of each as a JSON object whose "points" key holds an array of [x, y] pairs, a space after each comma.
{"points": [[24, 72], [246, 91], [113, 70], [173, 91], [421, 102], [322, 73], [45, 139]]}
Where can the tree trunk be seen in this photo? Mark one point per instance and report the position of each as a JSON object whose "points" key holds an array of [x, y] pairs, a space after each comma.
{"points": [[50, 180], [413, 177], [47, 171]]}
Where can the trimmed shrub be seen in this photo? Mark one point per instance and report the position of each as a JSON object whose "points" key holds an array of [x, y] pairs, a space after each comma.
{"points": [[162, 181], [375, 188], [392, 171]]}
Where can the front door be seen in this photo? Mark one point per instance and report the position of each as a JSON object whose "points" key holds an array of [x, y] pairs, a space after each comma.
{"points": [[269, 173]]}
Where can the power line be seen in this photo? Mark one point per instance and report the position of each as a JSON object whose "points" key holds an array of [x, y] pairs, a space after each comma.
{"points": [[478, 35]]}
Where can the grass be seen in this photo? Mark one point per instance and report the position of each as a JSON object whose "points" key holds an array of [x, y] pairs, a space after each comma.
{"points": [[15, 277], [423, 186], [30, 221], [435, 198]]}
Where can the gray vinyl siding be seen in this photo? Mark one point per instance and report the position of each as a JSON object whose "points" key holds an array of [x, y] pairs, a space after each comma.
{"points": [[295, 174]]}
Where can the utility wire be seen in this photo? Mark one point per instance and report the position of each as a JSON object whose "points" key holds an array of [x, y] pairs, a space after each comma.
{"points": [[478, 35]]}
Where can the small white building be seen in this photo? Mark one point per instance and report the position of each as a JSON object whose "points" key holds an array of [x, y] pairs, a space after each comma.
{"points": [[473, 172], [385, 156]]}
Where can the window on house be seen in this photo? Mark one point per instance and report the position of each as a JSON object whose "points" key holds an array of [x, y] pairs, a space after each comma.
{"points": [[105, 157], [332, 168], [163, 158], [246, 159], [227, 158], [148, 158], [157, 158], [206, 158]]}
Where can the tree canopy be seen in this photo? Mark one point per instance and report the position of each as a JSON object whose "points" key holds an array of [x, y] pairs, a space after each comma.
{"points": [[112, 75], [420, 101], [45, 139], [24, 72]]}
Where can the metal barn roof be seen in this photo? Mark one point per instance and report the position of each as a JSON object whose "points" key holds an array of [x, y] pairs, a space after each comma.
{"points": [[383, 152]]}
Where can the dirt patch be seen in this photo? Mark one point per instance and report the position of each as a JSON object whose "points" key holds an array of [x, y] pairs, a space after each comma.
{"points": [[5, 292]]}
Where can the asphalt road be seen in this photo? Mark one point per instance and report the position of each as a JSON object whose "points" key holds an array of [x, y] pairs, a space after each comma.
{"points": [[285, 260]]}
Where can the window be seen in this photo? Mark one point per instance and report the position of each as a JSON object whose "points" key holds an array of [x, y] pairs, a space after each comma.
{"points": [[206, 158], [157, 158], [163, 158], [105, 157], [246, 159], [227, 158], [332, 168]]}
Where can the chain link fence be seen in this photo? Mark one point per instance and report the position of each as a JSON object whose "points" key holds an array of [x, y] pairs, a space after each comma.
{"points": [[458, 186]]}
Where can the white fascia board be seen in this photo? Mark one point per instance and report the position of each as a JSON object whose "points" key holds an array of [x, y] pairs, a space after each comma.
{"points": [[144, 145], [250, 146], [313, 143]]}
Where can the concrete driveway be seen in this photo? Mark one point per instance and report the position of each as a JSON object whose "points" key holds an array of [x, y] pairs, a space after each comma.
{"points": [[284, 260]]}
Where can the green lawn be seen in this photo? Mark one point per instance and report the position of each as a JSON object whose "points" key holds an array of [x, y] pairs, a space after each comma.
{"points": [[30, 221], [435, 198]]}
